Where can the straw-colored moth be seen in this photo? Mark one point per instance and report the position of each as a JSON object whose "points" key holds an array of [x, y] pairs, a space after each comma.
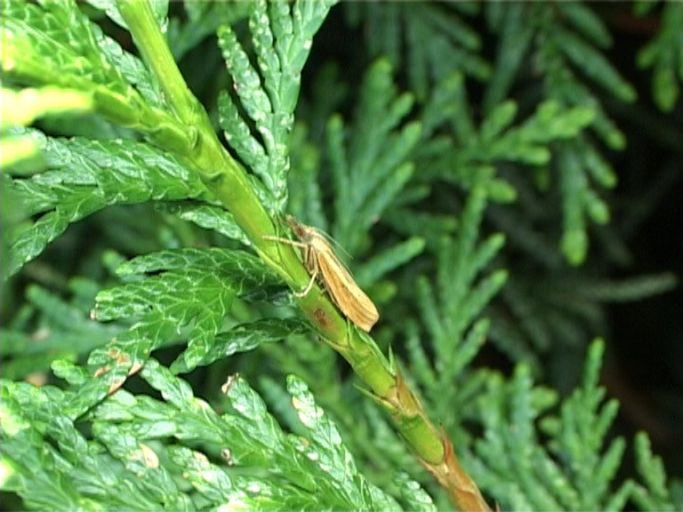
{"points": [[321, 261]]}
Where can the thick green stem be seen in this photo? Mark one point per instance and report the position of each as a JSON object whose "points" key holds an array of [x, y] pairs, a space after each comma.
{"points": [[229, 183], [221, 174], [154, 49]]}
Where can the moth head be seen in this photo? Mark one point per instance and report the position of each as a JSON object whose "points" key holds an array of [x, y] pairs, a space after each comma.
{"points": [[299, 229]]}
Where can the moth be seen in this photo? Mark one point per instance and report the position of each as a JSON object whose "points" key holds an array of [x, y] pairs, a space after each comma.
{"points": [[321, 262]]}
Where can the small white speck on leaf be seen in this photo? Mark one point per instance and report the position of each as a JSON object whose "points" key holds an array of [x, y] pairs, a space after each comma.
{"points": [[225, 388]]}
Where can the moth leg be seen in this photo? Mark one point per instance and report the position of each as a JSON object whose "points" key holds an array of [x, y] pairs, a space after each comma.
{"points": [[285, 241], [303, 293], [312, 267]]}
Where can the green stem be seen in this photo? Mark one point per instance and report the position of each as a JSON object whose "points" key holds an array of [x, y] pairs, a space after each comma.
{"points": [[155, 52], [228, 182], [222, 175]]}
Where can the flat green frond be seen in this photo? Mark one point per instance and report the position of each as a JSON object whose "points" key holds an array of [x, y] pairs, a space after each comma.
{"points": [[428, 226], [370, 166], [208, 216], [654, 494], [191, 292], [416, 498], [562, 42], [585, 21], [267, 93], [515, 39], [329, 453], [141, 461], [437, 40], [664, 54], [63, 330], [54, 43], [581, 441], [389, 259], [451, 309], [508, 446], [249, 439], [42, 444], [124, 464], [577, 467], [85, 176], [594, 65], [244, 337], [497, 141], [630, 289]]}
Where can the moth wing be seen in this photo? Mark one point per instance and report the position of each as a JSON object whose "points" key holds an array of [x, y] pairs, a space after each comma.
{"points": [[341, 286]]}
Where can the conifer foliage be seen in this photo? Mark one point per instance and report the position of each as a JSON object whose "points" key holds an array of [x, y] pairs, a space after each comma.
{"points": [[156, 349]]}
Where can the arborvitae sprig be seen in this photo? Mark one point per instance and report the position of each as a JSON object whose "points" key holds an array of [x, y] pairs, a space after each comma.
{"points": [[83, 176], [563, 41], [664, 54], [62, 328], [372, 169], [437, 39], [56, 44], [210, 279], [200, 151], [458, 148], [657, 493], [143, 448], [281, 40], [451, 310], [408, 187], [576, 468]]}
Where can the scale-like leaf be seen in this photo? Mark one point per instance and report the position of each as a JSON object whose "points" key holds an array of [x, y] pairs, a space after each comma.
{"points": [[85, 176], [559, 482], [268, 93], [436, 38], [192, 289], [55, 43]]}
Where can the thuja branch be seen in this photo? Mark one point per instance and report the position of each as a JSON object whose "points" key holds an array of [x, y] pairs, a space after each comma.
{"points": [[225, 178]]}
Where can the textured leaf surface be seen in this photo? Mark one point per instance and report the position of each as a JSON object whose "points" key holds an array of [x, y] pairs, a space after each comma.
{"points": [[125, 466], [191, 288], [55, 43], [438, 39], [580, 454], [248, 437], [85, 176], [282, 36]]}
